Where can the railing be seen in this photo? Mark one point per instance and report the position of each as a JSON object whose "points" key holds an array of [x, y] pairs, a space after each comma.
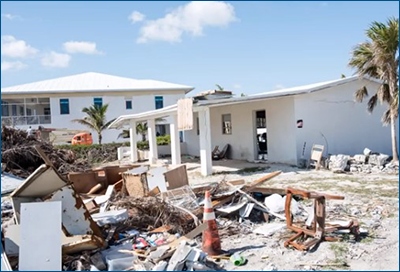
{"points": [[26, 120]]}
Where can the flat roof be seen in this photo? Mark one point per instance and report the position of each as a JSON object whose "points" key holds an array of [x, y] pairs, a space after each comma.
{"points": [[124, 119], [93, 82]]}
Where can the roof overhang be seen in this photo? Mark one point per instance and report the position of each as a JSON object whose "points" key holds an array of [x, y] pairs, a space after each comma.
{"points": [[201, 104]]}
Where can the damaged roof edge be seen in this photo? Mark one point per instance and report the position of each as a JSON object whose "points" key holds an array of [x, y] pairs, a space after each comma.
{"points": [[121, 121]]}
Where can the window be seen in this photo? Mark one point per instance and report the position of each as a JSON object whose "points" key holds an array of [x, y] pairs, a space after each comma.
{"points": [[14, 110], [98, 102], [64, 106], [159, 102], [226, 124], [4, 108], [198, 126], [128, 104]]}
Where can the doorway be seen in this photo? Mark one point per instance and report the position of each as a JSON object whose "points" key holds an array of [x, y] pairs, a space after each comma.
{"points": [[261, 135]]}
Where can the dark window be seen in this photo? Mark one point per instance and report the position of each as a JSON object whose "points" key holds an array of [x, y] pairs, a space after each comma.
{"points": [[159, 102], [198, 126], [4, 108], [98, 102], [14, 110], [128, 104], [64, 106]]}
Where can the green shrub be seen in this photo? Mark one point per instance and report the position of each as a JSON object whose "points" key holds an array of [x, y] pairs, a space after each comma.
{"points": [[164, 140]]}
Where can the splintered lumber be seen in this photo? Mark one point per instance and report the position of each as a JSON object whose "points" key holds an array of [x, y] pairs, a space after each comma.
{"points": [[261, 180]]}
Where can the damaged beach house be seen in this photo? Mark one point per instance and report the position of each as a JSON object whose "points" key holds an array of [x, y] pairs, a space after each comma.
{"points": [[278, 126], [63, 213]]}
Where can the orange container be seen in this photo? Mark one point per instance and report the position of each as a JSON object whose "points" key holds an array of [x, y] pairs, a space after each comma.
{"points": [[82, 139]]}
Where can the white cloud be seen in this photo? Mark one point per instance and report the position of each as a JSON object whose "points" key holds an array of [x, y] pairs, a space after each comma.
{"points": [[136, 16], [237, 86], [9, 16], [13, 48], [191, 19], [12, 65], [54, 59], [279, 86], [74, 47]]}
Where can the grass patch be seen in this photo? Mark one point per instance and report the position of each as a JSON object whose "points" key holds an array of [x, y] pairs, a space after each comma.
{"points": [[340, 250], [243, 171], [367, 240]]}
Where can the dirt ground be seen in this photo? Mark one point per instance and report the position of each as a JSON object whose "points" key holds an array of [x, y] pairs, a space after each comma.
{"points": [[372, 199]]}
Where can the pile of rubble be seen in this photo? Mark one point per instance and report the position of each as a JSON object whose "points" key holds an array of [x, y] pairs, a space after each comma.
{"points": [[19, 157], [369, 162], [137, 218]]}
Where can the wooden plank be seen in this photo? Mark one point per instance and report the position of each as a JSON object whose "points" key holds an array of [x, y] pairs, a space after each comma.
{"points": [[41, 233], [176, 178], [154, 192], [262, 180]]}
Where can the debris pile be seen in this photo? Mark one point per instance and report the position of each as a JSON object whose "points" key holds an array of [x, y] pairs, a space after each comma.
{"points": [[133, 218], [369, 162], [20, 157]]}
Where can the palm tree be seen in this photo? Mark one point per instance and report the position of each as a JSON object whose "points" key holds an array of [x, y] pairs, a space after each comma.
{"points": [[219, 87], [141, 128], [379, 58], [95, 119]]}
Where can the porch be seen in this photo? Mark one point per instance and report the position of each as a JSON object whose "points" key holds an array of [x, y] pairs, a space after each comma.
{"points": [[25, 111]]}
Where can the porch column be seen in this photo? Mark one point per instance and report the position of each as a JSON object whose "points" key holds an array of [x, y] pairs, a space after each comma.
{"points": [[175, 141], [151, 131], [205, 142], [132, 136]]}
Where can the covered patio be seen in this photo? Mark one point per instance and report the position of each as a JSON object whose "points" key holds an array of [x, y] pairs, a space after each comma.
{"points": [[172, 111], [207, 127]]}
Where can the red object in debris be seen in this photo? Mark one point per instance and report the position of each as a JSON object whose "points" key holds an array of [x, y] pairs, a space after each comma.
{"points": [[141, 244], [211, 240]]}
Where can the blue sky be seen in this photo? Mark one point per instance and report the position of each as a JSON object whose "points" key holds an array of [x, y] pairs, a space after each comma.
{"points": [[247, 47]]}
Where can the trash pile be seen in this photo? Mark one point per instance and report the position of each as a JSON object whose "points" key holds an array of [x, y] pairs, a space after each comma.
{"points": [[369, 162], [19, 157], [136, 218]]}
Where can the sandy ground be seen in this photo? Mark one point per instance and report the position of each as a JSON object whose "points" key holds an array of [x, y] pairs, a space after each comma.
{"points": [[372, 199]]}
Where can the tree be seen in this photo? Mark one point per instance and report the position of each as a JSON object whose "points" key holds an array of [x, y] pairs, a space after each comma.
{"points": [[379, 58], [141, 128], [95, 119]]}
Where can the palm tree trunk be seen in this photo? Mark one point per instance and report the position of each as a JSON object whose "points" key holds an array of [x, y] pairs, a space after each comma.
{"points": [[394, 139], [100, 138]]}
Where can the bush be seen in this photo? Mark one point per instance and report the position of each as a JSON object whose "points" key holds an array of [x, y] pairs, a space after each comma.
{"points": [[164, 140]]}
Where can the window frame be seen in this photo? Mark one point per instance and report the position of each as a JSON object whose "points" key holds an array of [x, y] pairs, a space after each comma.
{"points": [[66, 101], [158, 99], [94, 101], [126, 104]]}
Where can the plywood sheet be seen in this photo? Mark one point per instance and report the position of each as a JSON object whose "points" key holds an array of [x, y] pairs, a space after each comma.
{"points": [[40, 239]]}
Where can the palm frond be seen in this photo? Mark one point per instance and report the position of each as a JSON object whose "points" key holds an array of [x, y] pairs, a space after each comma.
{"points": [[361, 94], [373, 101], [384, 94], [386, 117]]}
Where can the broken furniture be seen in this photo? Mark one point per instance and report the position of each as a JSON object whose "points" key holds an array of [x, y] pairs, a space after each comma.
{"points": [[98, 179], [316, 228], [46, 185], [140, 181], [316, 156], [220, 154]]}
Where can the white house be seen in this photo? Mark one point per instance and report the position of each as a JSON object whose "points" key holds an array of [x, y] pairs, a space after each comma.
{"points": [[54, 103], [323, 113]]}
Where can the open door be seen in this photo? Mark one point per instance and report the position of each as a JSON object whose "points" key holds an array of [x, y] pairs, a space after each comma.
{"points": [[261, 135]]}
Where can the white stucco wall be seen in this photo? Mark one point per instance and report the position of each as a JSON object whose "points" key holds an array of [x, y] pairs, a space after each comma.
{"points": [[280, 125], [116, 108], [347, 125]]}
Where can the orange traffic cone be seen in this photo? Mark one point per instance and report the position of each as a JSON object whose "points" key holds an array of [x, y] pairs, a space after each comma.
{"points": [[211, 241]]}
